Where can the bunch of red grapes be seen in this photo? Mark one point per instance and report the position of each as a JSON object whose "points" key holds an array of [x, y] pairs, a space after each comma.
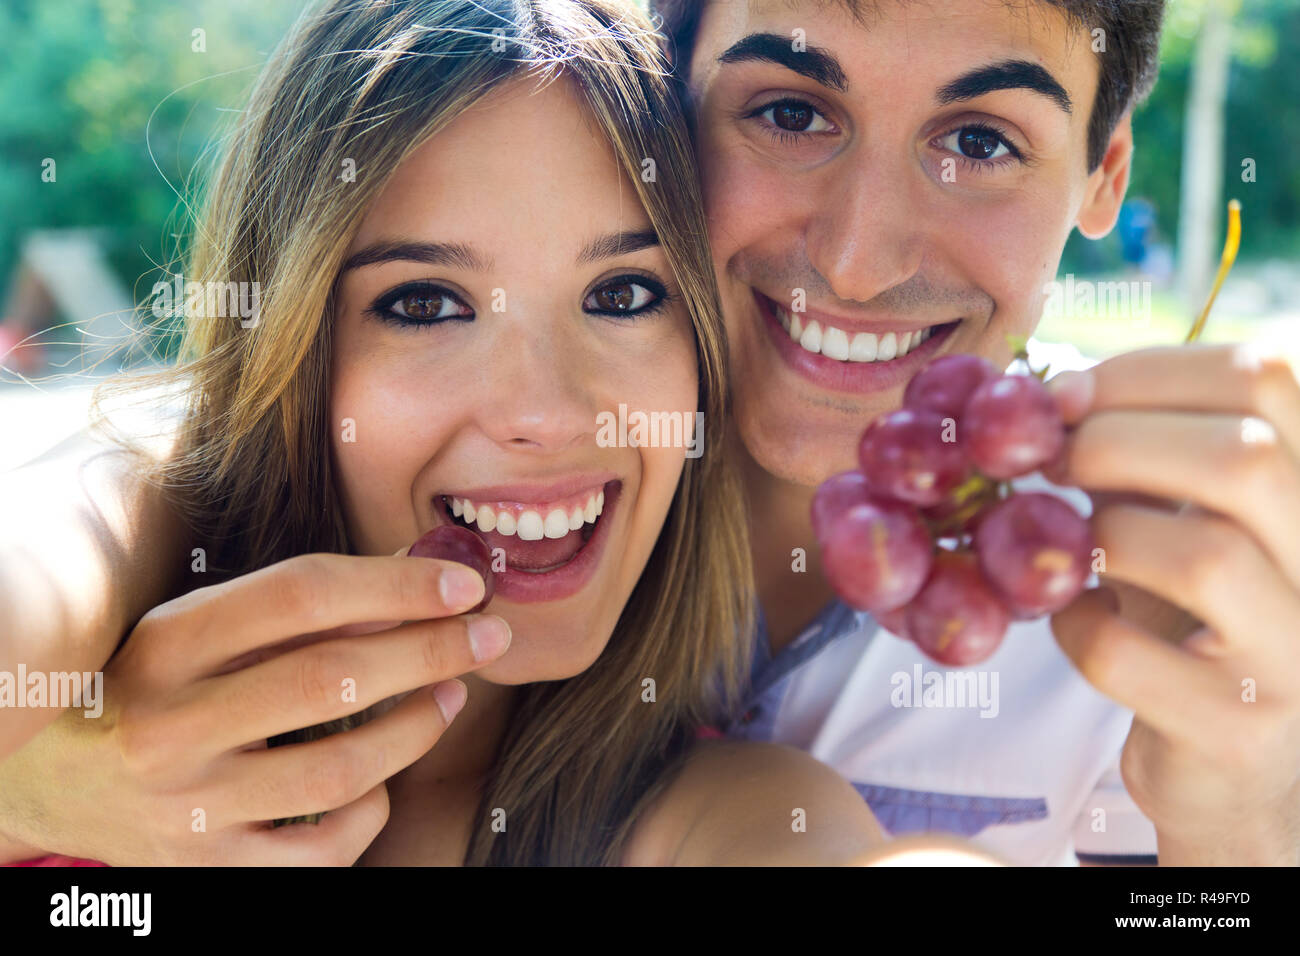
{"points": [[929, 536]]}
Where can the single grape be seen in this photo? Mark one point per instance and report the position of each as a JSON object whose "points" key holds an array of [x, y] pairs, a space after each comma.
{"points": [[905, 456], [957, 619], [1011, 426], [837, 495], [1035, 550], [946, 384], [451, 543], [877, 555]]}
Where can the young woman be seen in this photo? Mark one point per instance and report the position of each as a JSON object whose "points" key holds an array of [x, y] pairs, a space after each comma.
{"points": [[475, 229]]}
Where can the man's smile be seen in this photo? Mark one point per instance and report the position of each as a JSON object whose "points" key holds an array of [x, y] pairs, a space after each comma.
{"points": [[844, 354]]}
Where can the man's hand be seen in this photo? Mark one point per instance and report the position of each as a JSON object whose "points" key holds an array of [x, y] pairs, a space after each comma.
{"points": [[1195, 452], [203, 681]]}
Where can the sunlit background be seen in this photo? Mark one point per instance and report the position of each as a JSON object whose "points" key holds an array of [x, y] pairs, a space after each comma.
{"points": [[112, 110]]}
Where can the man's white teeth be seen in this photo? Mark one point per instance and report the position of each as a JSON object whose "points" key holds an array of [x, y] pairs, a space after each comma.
{"points": [[839, 345], [811, 340], [530, 524], [888, 348], [835, 344], [863, 348]]}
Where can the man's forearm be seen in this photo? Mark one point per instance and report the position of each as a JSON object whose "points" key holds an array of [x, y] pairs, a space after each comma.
{"points": [[86, 547]]}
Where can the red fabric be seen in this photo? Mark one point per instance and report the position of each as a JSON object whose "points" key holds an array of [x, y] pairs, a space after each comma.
{"points": [[55, 861]]}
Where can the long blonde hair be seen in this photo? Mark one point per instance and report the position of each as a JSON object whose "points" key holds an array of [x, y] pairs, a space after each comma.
{"points": [[369, 82]]}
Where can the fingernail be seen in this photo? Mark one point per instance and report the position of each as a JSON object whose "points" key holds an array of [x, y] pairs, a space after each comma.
{"points": [[1073, 391], [450, 695], [489, 636], [460, 587]]}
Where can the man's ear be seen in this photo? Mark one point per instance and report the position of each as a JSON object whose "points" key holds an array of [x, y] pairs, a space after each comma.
{"points": [[1108, 183]]}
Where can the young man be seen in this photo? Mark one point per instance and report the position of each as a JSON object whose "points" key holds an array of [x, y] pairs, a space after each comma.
{"points": [[890, 173]]}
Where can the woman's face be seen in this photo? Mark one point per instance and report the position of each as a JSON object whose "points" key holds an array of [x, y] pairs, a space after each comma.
{"points": [[504, 290]]}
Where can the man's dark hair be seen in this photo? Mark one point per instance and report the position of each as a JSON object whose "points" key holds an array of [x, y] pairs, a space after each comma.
{"points": [[1128, 65]]}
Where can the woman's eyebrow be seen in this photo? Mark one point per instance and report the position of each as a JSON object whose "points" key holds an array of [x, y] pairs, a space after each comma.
{"points": [[815, 63], [1007, 75], [430, 253], [618, 244]]}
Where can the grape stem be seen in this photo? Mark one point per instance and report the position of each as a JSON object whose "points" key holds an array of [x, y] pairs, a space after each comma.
{"points": [[1230, 246], [971, 497]]}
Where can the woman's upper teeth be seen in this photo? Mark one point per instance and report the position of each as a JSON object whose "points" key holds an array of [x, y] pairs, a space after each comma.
{"points": [[530, 523], [837, 344]]}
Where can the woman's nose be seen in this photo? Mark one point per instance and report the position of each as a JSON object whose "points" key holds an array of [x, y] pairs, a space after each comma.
{"points": [[543, 388]]}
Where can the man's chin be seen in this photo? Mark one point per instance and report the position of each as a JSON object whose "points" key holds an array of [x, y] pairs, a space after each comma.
{"points": [[795, 450]]}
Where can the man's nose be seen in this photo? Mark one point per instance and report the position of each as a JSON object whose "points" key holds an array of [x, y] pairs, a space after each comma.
{"points": [[865, 234]]}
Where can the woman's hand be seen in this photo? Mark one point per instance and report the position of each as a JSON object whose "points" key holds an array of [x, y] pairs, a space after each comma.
{"points": [[176, 771], [1203, 445]]}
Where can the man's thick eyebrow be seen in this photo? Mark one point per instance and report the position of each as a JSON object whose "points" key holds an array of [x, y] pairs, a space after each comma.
{"points": [[816, 63], [618, 244], [431, 253], [1007, 75]]}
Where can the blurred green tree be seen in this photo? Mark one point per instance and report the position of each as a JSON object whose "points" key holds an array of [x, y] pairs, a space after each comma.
{"points": [[125, 97], [1261, 123]]}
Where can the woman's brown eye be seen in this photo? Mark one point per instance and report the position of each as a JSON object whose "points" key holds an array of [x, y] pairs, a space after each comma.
{"points": [[422, 305], [615, 298], [624, 296]]}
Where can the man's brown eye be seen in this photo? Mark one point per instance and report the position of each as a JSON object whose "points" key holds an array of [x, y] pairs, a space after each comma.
{"points": [[795, 117], [978, 143], [615, 298]]}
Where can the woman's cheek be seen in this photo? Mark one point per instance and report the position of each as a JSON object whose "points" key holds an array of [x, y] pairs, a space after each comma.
{"points": [[379, 446], [667, 400]]}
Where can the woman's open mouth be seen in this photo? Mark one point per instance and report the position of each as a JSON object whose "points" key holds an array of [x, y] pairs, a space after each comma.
{"points": [[542, 550]]}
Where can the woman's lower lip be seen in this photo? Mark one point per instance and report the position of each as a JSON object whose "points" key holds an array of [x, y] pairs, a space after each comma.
{"points": [[855, 377], [566, 580]]}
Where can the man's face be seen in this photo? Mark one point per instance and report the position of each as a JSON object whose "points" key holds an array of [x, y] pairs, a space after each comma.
{"points": [[881, 191]]}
